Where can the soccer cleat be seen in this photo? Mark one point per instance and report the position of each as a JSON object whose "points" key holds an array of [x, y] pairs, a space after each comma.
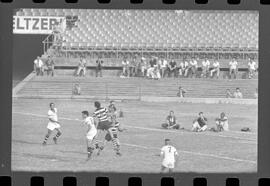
{"points": [[55, 140], [118, 154]]}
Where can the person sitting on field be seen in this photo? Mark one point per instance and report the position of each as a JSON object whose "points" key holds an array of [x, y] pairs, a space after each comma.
{"points": [[199, 124], [170, 122], [181, 92], [238, 94], [76, 89], [222, 123], [228, 94]]}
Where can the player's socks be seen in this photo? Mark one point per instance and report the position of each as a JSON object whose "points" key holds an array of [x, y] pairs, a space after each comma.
{"points": [[56, 137], [116, 146], [89, 152], [45, 140]]}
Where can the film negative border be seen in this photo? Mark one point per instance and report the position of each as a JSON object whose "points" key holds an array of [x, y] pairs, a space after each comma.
{"points": [[69, 178]]}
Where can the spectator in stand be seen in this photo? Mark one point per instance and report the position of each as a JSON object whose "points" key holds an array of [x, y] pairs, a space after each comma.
{"points": [[183, 68], [233, 68], [125, 64], [50, 66], [238, 94], [138, 67], [256, 94], [222, 123], [229, 94], [99, 64], [39, 66], [181, 92], [193, 67], [151, 69], [251, 68], [81, 67], [156, 72], [76, 89], [132, 66], [170, 122], [163, 67], [205, 68], [143, 66], [215, 70], [172, 68], [199, 124]]}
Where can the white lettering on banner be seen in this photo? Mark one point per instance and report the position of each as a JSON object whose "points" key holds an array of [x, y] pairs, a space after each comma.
{"points": [[37, 24]]}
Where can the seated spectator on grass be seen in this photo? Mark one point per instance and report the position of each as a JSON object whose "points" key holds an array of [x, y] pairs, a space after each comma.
{"points": [[256, 94], [76, 89], [205, 67], [81, 67], [170, 122], [199, 124], [222, 123], [238, 94], [229, 94], [215, 70], [172, 68], [181, 92], [251, 68], [50, 66], [233, 68], [39, 66]]}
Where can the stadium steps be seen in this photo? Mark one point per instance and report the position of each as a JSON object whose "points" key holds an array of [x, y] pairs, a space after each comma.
{"points": [[100, 87]]}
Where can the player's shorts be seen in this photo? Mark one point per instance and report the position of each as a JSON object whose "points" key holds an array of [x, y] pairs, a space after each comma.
{"points": [[53, 125], [104, 125], [91, 134], [168, 164]]}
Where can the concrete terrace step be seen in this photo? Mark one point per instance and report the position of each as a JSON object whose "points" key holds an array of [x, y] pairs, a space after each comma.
{"points": [[114, 86]]}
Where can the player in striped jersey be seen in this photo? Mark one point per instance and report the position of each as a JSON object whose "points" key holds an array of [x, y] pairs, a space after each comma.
{"points": [[101, 114]]}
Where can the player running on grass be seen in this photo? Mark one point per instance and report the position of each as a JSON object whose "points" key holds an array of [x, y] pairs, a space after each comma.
{"points": [[101, 114], [53, 124], [90, 134], [169, 155]]}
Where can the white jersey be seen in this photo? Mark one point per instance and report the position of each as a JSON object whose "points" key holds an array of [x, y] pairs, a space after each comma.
{"points": [[206, 63], [216, 64], [233, 64], [252, 65], [89, 121], [52, 115], [168, 152]]}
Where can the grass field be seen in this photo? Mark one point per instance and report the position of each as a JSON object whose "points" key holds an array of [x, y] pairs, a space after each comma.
{"points": [[232, 151]]}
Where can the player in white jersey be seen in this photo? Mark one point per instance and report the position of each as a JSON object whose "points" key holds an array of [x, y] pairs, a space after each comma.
{"points": [[90, 134], [53, 124], [169, 155]]}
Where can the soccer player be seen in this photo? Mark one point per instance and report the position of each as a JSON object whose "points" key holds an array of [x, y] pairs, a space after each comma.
{"points": [[222, 123], [104, 124], [199, 124], [53, 124], [90, 134], [169, 155]]}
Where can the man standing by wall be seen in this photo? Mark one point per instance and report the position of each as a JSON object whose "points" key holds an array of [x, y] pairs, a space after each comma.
{"points": [[99, 64]]}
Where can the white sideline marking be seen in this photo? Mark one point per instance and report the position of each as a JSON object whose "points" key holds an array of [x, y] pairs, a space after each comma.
{"points": [[194, 153], [144, 128]]}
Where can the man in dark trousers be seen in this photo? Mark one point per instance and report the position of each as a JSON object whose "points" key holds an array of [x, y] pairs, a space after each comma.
{"points": [[99, 64], [171, 122]]}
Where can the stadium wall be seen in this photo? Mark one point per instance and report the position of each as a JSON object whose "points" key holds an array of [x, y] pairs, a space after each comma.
{"points": [[26, 47]]}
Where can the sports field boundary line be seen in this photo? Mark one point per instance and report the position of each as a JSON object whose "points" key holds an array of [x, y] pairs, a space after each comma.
{"points": [[194, 153], [143, 128]]}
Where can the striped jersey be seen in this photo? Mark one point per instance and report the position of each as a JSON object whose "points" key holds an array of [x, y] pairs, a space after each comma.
{"points": [[101, 114]]}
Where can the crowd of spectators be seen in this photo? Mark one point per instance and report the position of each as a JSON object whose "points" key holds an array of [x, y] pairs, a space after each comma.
{"points": [[156, 68], [44, 65]]}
